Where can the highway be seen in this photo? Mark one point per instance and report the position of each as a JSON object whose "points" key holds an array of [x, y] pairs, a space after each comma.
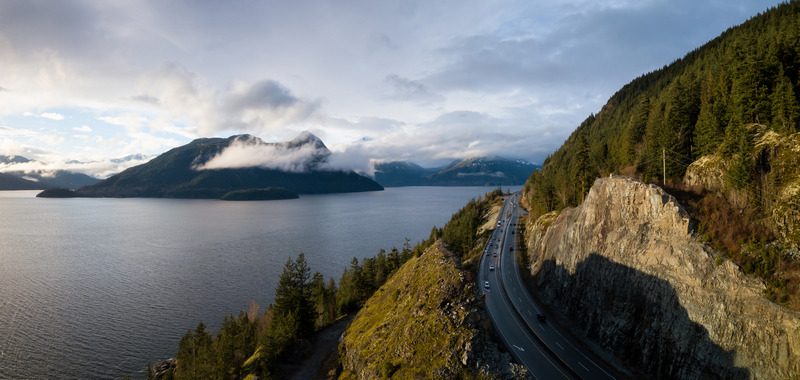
{"points": [[545, 350]]}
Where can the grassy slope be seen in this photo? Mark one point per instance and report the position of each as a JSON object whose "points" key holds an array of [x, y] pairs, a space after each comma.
{"points": [[407, 326]]}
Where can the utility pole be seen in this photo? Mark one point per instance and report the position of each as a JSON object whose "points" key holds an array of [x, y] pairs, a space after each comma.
{"points": [[664, 164]]}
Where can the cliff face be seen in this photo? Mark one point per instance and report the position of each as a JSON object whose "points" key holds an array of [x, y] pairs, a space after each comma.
{"points": [[626, 268], [424, 322]]}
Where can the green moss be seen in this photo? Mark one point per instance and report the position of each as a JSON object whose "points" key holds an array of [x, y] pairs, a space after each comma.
{"points": [[414, 303]]}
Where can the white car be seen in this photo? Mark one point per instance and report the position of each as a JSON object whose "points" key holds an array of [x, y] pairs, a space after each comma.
{"points": [[491, 267], [486, 284]]}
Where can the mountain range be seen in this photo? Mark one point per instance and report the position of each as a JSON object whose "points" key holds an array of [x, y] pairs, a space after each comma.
{"points": [[475, 171], [39, 179], [213, 167]]}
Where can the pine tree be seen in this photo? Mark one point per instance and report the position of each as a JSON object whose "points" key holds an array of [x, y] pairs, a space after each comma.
{"points": [[636, 129], [785, 109], [580, 167], [293, 295], [710, 127], [195, 355]]}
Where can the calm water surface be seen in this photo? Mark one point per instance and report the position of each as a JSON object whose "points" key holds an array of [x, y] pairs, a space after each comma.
{"points": [[97, 288]]}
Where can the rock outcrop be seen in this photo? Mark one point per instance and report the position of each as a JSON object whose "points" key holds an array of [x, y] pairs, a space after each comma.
{"points": [[627, 269], [777, 157], [425, 322]]}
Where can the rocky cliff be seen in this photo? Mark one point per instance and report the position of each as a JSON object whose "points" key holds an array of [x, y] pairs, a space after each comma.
{"points": [[425, 322], [626, 267], [779, 197]]}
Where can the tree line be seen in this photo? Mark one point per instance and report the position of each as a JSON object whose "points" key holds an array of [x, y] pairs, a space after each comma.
{"points": [[717, 100], [256, 343], [661, 122]]}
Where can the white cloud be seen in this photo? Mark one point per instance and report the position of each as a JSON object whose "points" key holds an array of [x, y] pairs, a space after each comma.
{"points": [[263, 106], [52, 116], [8, 131], [425, 80], [253, 152], [83, 128], [98, 169]]}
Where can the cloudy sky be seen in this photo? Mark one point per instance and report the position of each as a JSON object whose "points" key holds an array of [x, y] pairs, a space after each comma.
{"points": [[427, 81]]}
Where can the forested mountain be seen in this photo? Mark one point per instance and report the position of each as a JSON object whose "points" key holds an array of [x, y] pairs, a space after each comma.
{"points": [[13, 178], [729, 113], [475, 171], [13, 182], [212, 167]]}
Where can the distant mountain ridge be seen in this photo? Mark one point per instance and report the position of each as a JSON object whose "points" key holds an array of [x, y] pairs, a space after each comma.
{"points": [[213, 167], [475, 171], [38, 179], [12, 159]]}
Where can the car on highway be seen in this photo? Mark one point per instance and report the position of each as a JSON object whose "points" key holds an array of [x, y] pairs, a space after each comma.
{"points": [[541, 317], [491, 267], [486, 284]]}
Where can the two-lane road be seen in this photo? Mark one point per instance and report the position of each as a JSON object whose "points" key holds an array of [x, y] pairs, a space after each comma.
{"points": [[514, 312]]}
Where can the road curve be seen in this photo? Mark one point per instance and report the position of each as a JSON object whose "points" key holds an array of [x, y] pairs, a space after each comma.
{"points": [[547, 352]]}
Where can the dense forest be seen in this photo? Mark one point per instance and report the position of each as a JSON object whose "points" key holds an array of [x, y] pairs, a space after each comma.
{"points": [[259, 343], [720, 101]]}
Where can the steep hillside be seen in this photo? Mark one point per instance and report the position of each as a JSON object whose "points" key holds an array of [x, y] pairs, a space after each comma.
{"points": [[719, 130], [425, 322], [627, 269], [658, 124]]}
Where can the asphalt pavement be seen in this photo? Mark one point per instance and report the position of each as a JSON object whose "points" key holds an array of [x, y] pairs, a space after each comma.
{"points": [[521, 323]]}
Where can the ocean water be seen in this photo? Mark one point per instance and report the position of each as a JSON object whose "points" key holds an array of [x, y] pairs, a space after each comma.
{"points": [[98, 288]]}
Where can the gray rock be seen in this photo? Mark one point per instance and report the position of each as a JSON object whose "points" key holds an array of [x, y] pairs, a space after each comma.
{"points": [[625, 267]]}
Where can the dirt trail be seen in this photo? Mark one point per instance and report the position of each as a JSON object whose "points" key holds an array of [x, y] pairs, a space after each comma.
{"points": [[324, 342]]}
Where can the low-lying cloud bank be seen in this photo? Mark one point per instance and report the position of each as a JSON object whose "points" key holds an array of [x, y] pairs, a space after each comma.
{"points": [[303, 154], [245, 153], [100, 169]]}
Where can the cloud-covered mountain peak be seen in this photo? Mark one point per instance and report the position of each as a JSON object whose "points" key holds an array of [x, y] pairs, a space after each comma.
{"points": [[304, 153]]}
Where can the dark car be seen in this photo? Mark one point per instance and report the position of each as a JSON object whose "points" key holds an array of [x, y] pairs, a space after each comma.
{"points": [[541, 317]]}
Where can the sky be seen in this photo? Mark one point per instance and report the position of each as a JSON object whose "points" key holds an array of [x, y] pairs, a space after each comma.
{"points": [[424, 81]]}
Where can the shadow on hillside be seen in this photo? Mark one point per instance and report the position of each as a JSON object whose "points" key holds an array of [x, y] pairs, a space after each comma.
{"points": [[637, 317]]}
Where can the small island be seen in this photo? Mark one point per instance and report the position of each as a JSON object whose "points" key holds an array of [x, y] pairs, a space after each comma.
{"points": [[57, 192], [265, 194]]}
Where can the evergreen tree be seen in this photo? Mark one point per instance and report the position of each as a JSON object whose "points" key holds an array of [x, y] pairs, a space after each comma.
{"points": [[195, 355], [293, 296], [635, 130], [580, 168], [785, 108], [712, 117]]}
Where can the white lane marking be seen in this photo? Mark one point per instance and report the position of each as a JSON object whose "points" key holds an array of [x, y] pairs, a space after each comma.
{"points": [[529, 313], [559, 346], [584, 367], [523, 350]]}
